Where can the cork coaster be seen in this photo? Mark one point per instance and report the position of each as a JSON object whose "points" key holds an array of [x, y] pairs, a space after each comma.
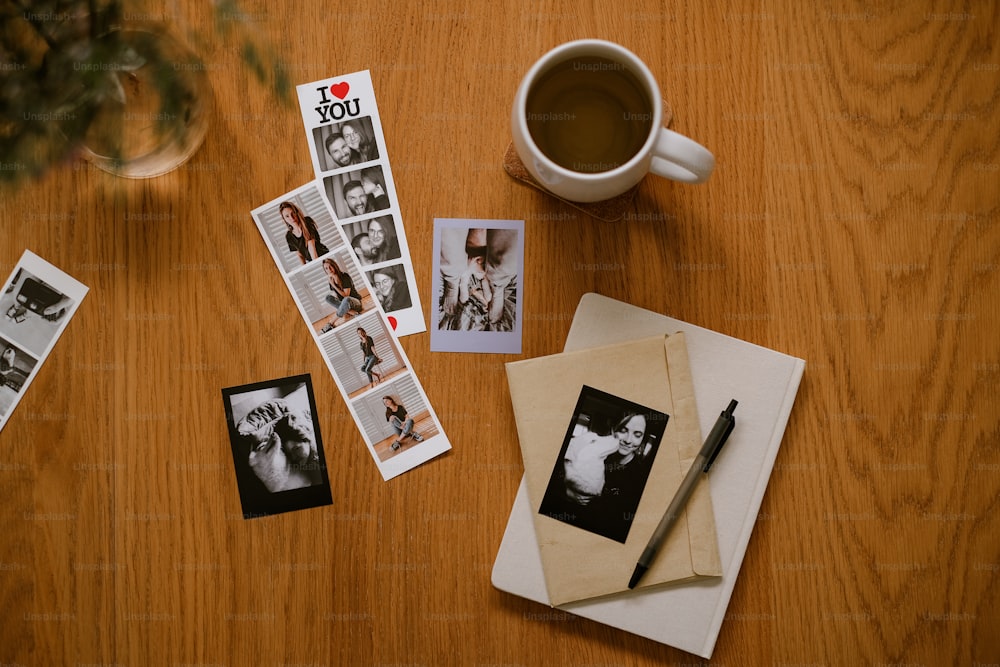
{"points": [[609, 210]]}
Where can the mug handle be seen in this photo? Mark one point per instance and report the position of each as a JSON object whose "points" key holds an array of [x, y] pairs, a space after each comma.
{"points": [[681, 159]]}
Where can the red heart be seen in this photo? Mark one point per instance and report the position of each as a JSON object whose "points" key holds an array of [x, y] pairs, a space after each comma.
{"points": [[392, 322], [339, 90]]}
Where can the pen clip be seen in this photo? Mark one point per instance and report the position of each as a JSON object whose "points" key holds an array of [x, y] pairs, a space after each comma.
{"points": [[730, 420], [722, 441]]}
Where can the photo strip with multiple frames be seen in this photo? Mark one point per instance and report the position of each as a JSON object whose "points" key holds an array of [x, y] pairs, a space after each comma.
{"points": [[38, 300], [349, 157], [352, 329]]}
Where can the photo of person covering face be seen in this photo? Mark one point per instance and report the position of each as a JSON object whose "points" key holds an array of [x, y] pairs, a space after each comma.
{"points": [[374, 241], [602, 468], [351, 142], [355, 193], [277, 448]]}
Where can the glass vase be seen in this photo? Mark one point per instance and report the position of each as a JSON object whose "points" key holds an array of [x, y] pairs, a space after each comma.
{"points": [[157, 111]]}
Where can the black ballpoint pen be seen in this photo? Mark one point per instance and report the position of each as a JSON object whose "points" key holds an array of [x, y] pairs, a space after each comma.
{"points": [[713, 445]]}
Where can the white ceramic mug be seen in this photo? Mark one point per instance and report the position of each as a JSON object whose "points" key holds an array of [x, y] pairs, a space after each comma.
{"points": [[590, 98]]}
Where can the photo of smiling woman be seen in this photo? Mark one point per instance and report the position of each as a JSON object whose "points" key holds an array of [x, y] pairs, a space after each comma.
{"points": [[390, 288], [357, 133], [374, 240], [604, 463], [301, 235]]}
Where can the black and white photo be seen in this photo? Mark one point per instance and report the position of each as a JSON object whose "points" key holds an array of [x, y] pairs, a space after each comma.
{"points": [[353, 171], [345, 144], [356, 193], [33, 310], [277, 448], [603, 465], [390, 287], [374, 240], [16, 366], [37, 303]]}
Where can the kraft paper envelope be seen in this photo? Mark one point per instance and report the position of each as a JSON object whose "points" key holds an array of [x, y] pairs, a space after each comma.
{"points": [[653, 372]]}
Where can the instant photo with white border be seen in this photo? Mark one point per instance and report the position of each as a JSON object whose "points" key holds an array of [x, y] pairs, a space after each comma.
{"points": [[333, 102], [478, 285], [38, 301], [340, 358]]}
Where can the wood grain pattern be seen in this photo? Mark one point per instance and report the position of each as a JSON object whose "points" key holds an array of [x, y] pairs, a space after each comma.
{"points": [[853, 220]]}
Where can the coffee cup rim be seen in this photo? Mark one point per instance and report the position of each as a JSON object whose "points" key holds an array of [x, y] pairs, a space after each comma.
{"points": [[564, 52]]}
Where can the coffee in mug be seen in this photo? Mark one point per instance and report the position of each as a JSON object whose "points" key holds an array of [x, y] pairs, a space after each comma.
{"points": [[587, 124], [589, 114]]}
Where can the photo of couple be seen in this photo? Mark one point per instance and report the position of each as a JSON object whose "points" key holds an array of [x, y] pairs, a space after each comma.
{"points": [[602, 468], [345, 144], [356, 193], [374, 241], [351, 165]]}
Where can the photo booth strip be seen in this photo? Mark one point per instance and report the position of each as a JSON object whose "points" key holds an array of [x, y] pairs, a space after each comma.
{"points": [[341, 345], [328, 107], [38, 301]]}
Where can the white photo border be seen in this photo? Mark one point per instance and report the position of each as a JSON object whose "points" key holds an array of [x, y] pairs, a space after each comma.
{"points": [[497, 342]]}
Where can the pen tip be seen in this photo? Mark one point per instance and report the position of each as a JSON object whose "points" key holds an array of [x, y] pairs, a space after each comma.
{"points": [[637, 575], [732, 406]]}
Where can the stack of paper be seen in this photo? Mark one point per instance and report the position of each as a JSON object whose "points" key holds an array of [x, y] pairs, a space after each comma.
{"points": [[687, 615]]}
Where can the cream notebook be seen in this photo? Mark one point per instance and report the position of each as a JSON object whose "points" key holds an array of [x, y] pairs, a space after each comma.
{"points": [[688, 616]]}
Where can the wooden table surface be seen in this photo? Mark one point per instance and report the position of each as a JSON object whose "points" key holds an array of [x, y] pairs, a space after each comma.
{"points": [[853, 220]]}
